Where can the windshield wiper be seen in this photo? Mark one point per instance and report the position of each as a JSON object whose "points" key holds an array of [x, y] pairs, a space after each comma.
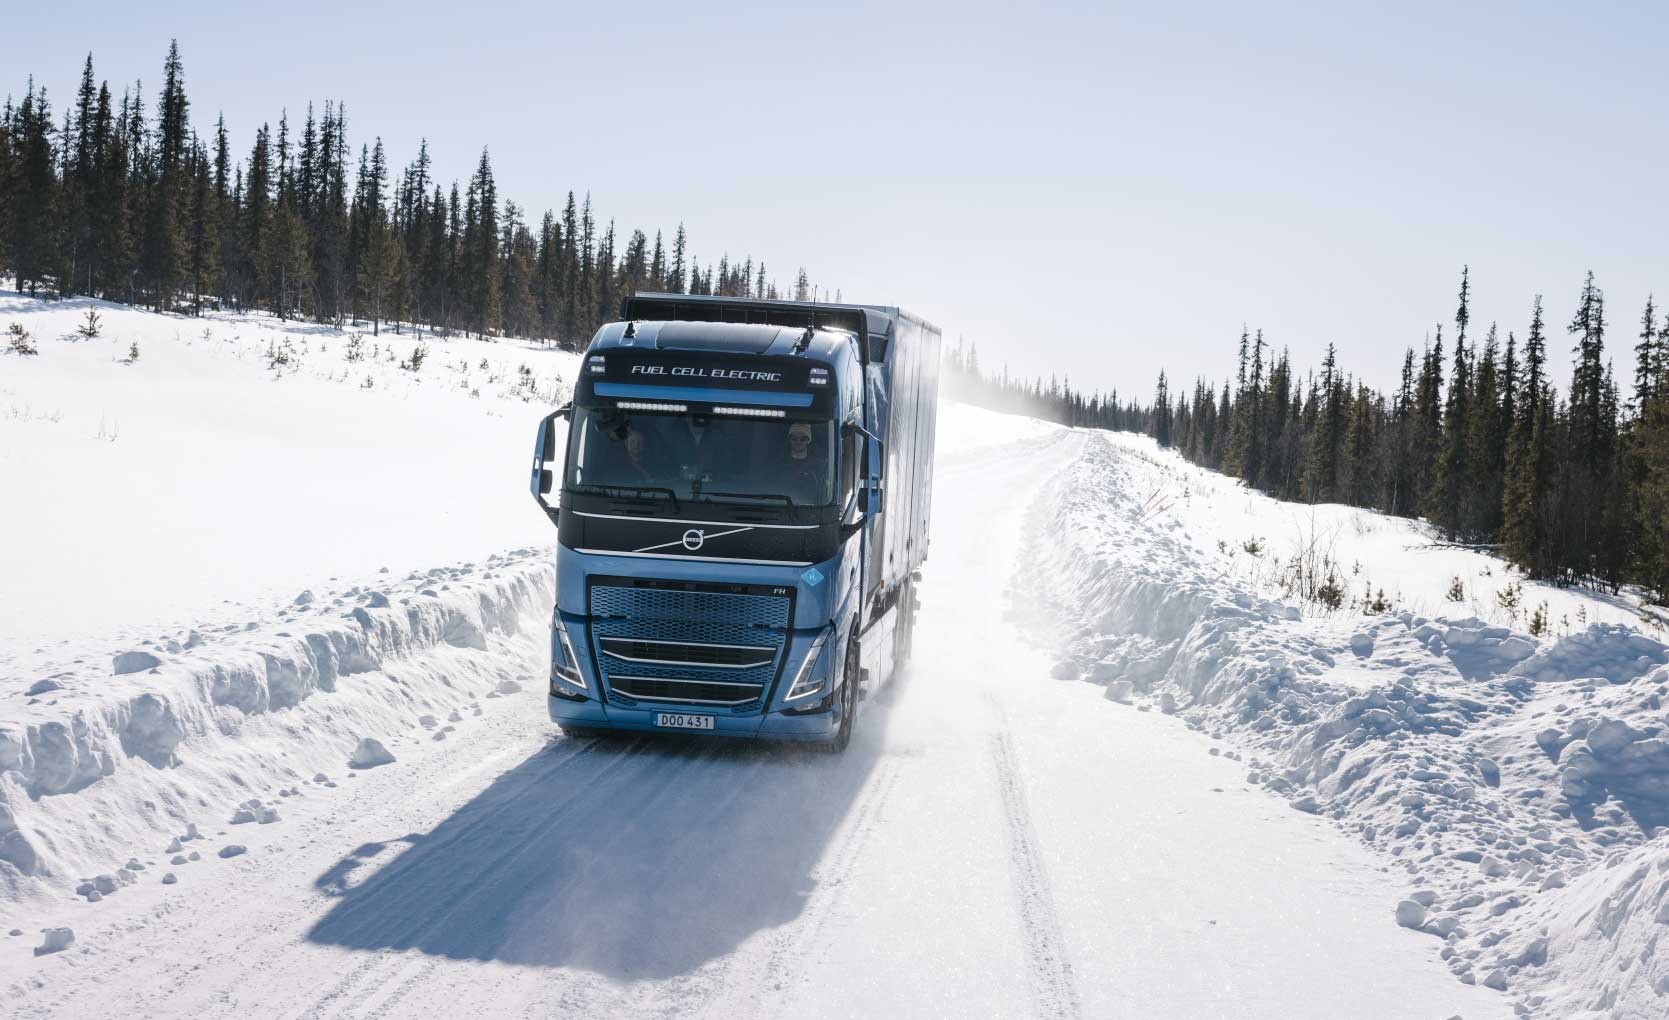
{"points": [[749, 495], [611, 490]]}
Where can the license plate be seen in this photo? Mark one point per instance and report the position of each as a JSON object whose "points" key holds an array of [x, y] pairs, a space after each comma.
{"points": [[680, 721]]}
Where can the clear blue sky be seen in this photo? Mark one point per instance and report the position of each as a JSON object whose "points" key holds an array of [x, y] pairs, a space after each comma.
{"points": [[1093, 189]]}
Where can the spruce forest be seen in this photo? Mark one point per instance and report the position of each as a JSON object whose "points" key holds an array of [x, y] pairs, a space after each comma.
{"points": [[1569, 487], [119, 203]]}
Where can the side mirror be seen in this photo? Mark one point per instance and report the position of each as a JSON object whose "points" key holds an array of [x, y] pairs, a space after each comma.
{"points": [[544, 452]]}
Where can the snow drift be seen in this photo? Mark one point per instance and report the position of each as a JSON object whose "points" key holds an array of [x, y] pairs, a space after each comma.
{"points": [[1519, 783], [251, 709]]}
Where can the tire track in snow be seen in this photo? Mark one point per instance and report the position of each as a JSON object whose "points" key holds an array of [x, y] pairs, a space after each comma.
{"points": [[771, 977], [1057, 995], [351, 993]]}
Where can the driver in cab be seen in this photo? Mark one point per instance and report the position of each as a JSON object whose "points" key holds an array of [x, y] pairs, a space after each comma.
{"points": [[805, 483]]}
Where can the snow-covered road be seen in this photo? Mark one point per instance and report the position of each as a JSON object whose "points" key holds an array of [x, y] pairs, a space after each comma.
{"points": [[995, 843]]}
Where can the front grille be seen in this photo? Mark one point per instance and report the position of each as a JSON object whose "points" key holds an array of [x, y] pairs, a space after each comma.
{"points": [[672, 644], [687, 653], [694, 692]]}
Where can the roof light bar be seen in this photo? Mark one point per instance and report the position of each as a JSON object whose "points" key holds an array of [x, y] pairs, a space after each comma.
{"points": [[643, 405], [751, 412]]}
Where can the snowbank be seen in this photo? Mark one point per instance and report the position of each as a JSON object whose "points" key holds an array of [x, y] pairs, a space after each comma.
{"points": [[1518, 782], [103, 769]]}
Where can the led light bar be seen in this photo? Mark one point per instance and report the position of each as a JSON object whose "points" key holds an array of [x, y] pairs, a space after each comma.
{"points": [[819, 377], [640, 405], [751, 412], [596, 365]]}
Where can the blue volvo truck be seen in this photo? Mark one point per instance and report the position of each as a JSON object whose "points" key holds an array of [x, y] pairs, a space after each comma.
{"points": [[741, 497]]}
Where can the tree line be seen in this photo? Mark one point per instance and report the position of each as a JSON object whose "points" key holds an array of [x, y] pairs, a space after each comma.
{"points": [[131, 205], [1571, 487], [963, 378]]}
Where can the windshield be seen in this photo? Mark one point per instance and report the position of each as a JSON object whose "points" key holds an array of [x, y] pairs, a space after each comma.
{"points": [[702, 457]]}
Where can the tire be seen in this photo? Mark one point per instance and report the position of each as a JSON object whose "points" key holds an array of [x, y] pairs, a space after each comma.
{"points": [[850, 678]]}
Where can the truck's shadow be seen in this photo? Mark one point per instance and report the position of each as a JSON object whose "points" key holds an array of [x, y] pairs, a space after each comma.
{"points": [[633, 858]]}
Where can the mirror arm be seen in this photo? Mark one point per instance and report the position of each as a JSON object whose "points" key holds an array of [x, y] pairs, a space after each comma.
{"points": [[860, 430]]}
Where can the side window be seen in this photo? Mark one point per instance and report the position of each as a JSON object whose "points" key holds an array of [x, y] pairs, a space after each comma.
{"points": [[851, 451]]}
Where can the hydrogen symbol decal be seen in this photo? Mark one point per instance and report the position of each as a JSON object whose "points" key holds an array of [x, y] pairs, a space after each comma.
{"points": [[812, 577]]}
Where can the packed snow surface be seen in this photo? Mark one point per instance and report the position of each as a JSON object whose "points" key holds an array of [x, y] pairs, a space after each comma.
{"points": [[1133, 770]]}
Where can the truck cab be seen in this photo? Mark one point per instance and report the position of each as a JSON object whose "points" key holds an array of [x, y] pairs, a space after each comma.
{"points": [[719, 496]]}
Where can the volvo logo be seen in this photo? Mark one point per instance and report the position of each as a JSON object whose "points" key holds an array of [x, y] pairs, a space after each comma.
{"points": [[691, 540]]}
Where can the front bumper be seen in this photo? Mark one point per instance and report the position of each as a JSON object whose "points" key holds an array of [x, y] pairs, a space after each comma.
{"points": [[810, 727]]}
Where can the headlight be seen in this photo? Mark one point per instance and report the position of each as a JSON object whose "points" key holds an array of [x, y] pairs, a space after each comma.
{"points": [[564, 666], [804, 685]]}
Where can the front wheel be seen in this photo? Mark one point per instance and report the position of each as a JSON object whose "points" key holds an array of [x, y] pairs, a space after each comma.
{"points": [[850, 677]]}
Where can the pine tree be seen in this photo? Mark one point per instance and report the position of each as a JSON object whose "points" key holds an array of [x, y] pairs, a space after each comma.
{"points": [[1651, 500], [1400, 483], [1427, 426], [227, 242], [1361, 469], [203, 246], [1509, 394], [1587, 391], [1321, 465], [675, 276], [1524, 527], [376, 247], [7, 175], [164, 258], [608, 304], [517, 286], [1161, 427], [485, 301], [572, 320], [1588, 455], [31, 247], [77, 186], [257, 216], [1646, 368], [1486, 447], [437, 261], [1445, 499]]}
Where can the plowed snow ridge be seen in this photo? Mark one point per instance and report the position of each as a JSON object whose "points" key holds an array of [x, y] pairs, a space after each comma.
{"points": [[1493, 768]]}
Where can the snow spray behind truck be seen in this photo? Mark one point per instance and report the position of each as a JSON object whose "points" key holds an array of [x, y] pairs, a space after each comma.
{"points": [[741, 514]]}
